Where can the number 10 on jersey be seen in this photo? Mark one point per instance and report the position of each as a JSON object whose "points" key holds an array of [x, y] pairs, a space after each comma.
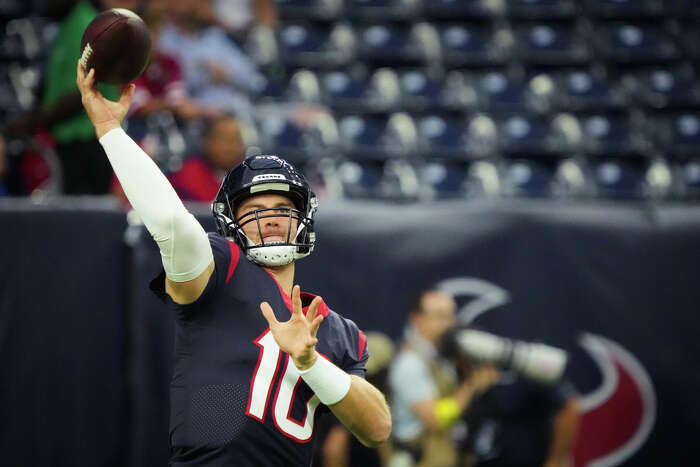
{"points": [[261, 389]]}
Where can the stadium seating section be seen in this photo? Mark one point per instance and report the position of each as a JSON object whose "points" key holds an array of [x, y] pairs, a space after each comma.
{"points": [[445, 99]]}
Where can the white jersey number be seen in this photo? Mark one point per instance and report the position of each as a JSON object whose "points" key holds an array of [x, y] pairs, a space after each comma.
{"points": [[261, 390]]}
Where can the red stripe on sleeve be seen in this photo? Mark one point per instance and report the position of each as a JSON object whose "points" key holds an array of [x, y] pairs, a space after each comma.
{"points": [[363, 342], [235, 256]]}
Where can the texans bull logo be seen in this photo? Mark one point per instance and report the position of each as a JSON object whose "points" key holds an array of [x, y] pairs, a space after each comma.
{"points": [[618, 416]]}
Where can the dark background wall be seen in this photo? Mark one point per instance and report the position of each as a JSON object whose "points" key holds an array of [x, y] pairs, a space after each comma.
{"points": [[85, 348]]}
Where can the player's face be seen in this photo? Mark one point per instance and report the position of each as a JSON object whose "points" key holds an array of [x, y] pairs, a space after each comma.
{"points": [[437, 315], [274, 228]]}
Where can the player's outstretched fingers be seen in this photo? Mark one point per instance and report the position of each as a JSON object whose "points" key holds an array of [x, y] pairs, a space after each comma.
{"points": [[296, 299], [313, 316], [268, 314]]}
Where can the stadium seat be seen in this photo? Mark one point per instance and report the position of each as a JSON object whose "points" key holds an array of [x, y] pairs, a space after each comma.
{"points": [[398, 44], [611, 134], [584, 90], [690, 179], [443, 179], [315, 46], [532, 178], [304, 87], [464, 44], [377, 137], [622, 178], [550, 44], [665, 88], [420, 90], [481, 136], [679, 134], [498, 92], [541, 9], [521, 135], [376, 179], [383, 10], [622, 9], [442, 136], [634, 44], [281, 135], [354, 91], [310, 9], [455, 10]]}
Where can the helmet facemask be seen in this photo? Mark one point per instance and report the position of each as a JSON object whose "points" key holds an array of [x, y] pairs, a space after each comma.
{"points": [[277, 253]]}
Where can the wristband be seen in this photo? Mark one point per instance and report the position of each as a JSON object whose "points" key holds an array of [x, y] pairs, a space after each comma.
{"points": [[329, 382], [447, 411]]}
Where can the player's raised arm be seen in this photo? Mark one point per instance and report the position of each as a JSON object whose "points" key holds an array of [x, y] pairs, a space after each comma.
{"points": [[184, 247]]}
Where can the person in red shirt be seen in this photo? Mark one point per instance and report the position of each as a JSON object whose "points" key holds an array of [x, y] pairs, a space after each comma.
{"points": [[222, 148]]}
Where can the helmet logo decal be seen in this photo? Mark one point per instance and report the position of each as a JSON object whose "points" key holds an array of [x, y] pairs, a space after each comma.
{"points": [[268, 187], [263, 177]]}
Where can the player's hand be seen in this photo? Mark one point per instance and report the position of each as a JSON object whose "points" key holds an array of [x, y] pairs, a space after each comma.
{"points": [[297, 337], [104, 114]]}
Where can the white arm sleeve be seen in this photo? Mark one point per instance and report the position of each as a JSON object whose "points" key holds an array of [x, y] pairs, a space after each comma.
{"points": [[184, 246]]}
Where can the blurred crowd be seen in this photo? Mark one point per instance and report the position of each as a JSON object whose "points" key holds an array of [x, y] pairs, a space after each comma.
{"points": [[192, 110]]}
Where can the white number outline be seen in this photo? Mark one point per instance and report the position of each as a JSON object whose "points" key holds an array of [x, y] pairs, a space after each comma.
{"points": [[260, 390]]}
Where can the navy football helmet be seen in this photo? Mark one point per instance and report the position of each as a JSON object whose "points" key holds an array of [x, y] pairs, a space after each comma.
{"points": [[266, 174]]}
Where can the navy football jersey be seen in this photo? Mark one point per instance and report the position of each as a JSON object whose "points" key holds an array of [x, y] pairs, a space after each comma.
{"points": [[235, 398]]}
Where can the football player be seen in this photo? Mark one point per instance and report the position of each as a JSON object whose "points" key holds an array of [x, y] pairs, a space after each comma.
{"points": [[255, 357]]}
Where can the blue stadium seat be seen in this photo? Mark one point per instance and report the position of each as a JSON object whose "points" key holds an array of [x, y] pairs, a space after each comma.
{"points": [[623, 9], [315, 46], [354, 91], [680, 134], [529, 177], [383, 10], [310, 9], [690, 38], [464, 44], [665, 88], [584, 90], [634, 43], [611, 134], [442, 136], [456, 10], [420, 90], [623, 178], [541, 9], [690, 179], [377, 137], [443, 179], [398, 44], [281, 135], [498, 91], [376, 179], [550, 44], [521, 135]]}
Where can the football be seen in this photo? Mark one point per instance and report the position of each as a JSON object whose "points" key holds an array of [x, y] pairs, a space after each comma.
{"points": [[117, 44]]}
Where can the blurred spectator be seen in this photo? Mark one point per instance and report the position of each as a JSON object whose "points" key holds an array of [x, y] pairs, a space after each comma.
{"points": [[525, 418], [3, 167], [161, 85], [218, 74], [84, 167], [238, 17], [338, 447], [200, 176], [425, 393]]}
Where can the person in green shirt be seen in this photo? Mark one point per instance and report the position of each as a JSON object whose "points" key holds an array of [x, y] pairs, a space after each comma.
{"points": [[84, 168]]}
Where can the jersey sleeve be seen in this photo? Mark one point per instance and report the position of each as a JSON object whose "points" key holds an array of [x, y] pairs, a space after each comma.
{"points": [[226, 256], [349, 344]]}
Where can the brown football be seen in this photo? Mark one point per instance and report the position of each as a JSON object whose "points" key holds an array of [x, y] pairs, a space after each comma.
{"points": [[117, 44]]}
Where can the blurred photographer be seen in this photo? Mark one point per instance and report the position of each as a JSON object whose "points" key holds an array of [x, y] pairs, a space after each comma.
{"points": [[426, 395], [529, 417]]}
